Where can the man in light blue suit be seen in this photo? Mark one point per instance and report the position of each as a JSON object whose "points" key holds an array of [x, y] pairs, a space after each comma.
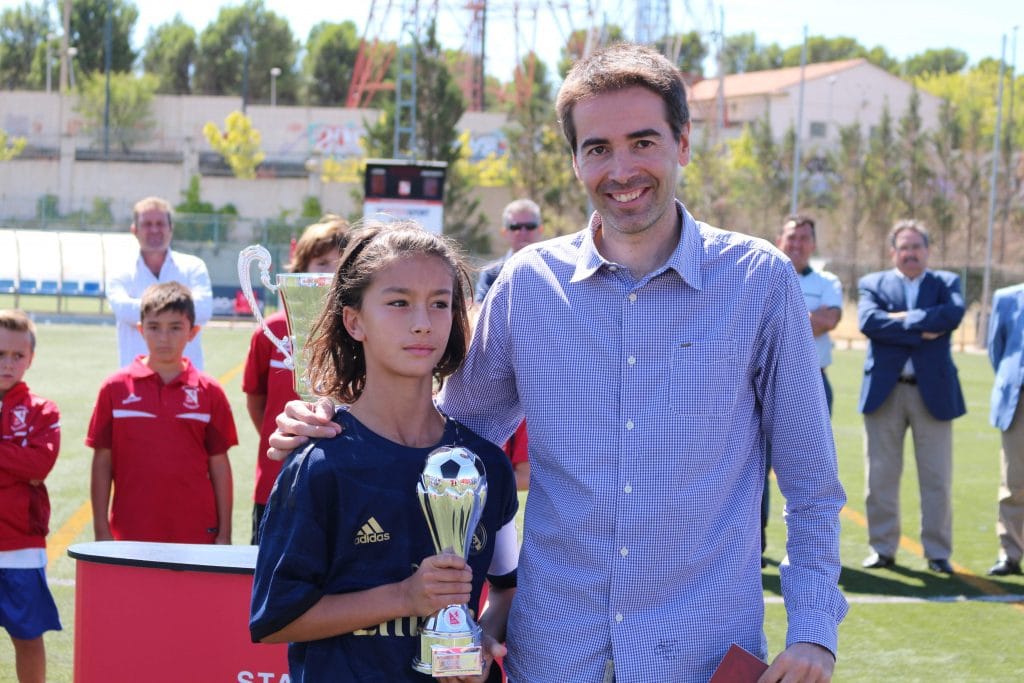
{"points": [[1006, 351], [909, 314]]}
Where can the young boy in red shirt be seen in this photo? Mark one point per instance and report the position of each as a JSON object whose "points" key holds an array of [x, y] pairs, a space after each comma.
{"points": [[160, 432], [29, 442], [267, 382]]}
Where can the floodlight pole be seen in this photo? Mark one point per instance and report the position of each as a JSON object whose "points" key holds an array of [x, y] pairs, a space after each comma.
{"points": [[794, 199], [987, 279]]}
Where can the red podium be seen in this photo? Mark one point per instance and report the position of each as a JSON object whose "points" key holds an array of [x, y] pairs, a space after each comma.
{"points": [[168, 612]]}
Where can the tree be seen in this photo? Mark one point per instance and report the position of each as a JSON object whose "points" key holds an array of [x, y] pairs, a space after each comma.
{"points": [[247, 31], [915, 172], [540, 161], [10, 147], [169, 55], [131, 98], [759, 180], [239, 144], [582, 42], [945, 142], [198, 220], [87, 20], [972, 114], [947, 60], [23, 32], [705, 181], [330, 58], [743, 54], [852, 185], [882, 179], [686, 50], [825, 49]]}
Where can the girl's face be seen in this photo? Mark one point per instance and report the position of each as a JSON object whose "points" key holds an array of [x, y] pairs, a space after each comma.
{"points": [[326, 262], [405, 318]]}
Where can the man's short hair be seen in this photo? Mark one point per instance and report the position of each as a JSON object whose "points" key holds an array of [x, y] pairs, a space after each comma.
{"points": [[795, 220], [167, 297], [150, 203], [908, 224], [617, 67], [517, 206], [15, 320]]}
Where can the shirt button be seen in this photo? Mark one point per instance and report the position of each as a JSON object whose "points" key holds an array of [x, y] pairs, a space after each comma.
{"points": [[631, 360], [632, 298], [618, 617], [624, 551], [627, 488], [629, 424], [613, 269]]}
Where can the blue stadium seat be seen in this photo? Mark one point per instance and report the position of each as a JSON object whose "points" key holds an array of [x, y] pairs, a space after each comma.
{"points": [[8, 286], [28, 287], [70, 288], [50, 287], [92, 288]]}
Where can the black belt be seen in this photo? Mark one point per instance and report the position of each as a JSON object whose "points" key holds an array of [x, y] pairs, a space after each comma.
{"points": [[907, 379]]}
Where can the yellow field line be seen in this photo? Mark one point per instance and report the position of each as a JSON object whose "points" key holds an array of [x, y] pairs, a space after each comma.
{"points": [[964, 574], [59, 541]]}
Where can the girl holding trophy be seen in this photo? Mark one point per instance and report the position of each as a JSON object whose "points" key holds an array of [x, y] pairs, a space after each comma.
{"points": [[347, 567]]}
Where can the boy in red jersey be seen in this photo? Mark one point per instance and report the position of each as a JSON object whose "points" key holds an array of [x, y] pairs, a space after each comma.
{"points": [[29, 442], [267, 382], [160, 432]]}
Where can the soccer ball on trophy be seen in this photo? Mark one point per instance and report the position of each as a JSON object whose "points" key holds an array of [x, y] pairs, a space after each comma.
{"points": [[452, 490]]}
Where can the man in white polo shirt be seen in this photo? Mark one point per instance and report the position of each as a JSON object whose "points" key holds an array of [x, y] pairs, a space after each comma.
{"points": [[823, 294], [152, 225]]}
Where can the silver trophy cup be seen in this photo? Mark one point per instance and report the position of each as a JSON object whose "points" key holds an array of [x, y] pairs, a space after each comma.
{"points": [[303, 297], [452, 491]]}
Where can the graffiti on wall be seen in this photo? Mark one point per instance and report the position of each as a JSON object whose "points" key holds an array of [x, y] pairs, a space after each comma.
{"points": [[336, 141], [342, 142]]}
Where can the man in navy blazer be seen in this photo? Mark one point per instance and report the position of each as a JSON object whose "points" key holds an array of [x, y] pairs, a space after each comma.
{"points": [[1006, 351], [908, 315]]}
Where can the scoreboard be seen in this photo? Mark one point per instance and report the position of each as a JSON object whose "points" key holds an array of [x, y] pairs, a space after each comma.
{"points": [[396, 189]]}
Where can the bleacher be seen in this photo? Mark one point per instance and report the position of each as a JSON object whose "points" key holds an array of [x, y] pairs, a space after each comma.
{"points": [[68, 264], [61, 264]]}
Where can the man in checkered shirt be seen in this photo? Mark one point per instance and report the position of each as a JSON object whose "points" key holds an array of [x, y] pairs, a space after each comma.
{"points": [[652, 355]]}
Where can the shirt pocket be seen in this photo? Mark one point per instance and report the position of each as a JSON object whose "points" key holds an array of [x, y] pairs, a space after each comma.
{"points": [[705, 377]]}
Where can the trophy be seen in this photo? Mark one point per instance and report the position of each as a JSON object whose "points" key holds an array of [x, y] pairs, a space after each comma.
{"points": [[303, 297], [452, 491]]}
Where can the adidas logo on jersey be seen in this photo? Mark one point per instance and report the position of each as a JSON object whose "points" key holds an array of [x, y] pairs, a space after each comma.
{"points": [[371, 532]]}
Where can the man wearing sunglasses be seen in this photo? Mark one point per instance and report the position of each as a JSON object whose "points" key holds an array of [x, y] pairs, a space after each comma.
{"points": [[521, 227]]}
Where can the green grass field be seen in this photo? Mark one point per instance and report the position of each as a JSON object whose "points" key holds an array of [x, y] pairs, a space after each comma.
{"points": [[904, 625]]}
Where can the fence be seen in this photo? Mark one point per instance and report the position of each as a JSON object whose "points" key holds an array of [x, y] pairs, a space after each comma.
{"points": [[60, 264]]}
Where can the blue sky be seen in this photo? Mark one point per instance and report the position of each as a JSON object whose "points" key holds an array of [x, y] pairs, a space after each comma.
{"points": [[903, 27]]}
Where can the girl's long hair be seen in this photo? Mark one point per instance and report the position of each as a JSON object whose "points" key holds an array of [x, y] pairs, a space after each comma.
{"points": [[337, 364]]}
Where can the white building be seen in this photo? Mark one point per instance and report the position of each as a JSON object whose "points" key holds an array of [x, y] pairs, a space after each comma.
{"points": [[836, 94]]}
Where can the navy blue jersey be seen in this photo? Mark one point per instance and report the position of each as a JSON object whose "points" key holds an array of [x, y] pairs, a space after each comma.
{"points": [[343, 517]]}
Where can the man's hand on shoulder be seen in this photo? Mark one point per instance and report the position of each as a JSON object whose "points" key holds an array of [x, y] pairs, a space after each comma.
{"points": [[299, 423], [801, 663]]}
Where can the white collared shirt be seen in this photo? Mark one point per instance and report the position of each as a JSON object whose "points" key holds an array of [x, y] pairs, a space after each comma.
{"points": [[124, 294], [911, 287]]}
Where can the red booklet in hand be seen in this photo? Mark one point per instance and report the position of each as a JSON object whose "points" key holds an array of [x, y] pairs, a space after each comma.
{"points": [[738, 666]]}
